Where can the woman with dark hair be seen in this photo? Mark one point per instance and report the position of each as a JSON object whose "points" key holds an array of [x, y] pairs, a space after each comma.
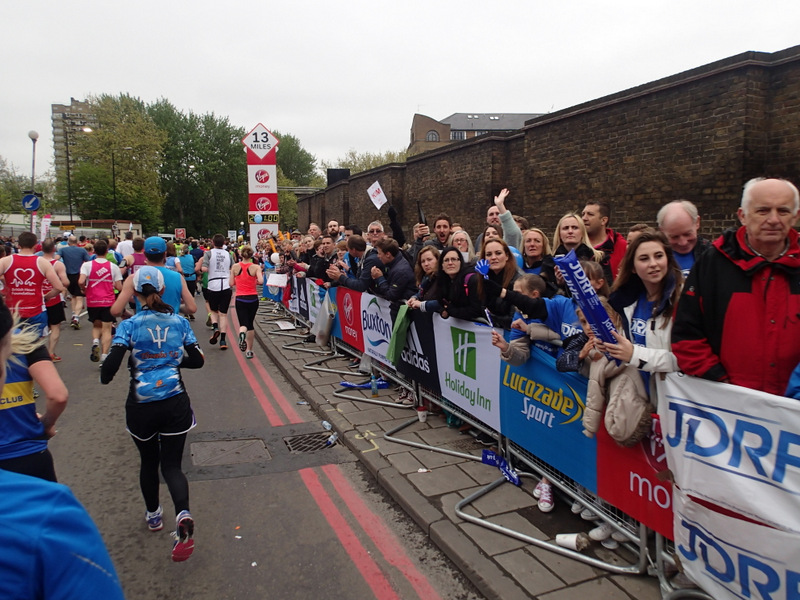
{"points": [[426, 266], [502, 272], [158, 411], [646, 292], [455, 291], [246, 277]]}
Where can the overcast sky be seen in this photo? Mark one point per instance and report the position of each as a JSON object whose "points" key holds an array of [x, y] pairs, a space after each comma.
{"points": [[342, 75]]}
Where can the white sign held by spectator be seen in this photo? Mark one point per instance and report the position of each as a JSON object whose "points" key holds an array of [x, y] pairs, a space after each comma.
{"points": [[376, 195]]}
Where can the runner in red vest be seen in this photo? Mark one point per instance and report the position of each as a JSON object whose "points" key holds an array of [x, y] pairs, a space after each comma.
{"points": [[24, 274], [55, 306]]}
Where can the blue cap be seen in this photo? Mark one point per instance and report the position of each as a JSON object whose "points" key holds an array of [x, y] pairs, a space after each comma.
{"points": [[148, 275], [155, 245]]}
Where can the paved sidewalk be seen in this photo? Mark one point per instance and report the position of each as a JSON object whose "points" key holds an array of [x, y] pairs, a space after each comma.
{"points": [[428, 485]]}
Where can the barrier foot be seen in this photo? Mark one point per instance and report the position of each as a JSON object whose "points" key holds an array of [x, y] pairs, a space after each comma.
{"points": [[389, 435], [312, 366], [631, 569], [295, 346], [345, 396]]}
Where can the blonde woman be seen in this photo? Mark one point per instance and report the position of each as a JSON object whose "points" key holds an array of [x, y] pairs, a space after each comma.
{"points": [[23, 431], [570, 234]]}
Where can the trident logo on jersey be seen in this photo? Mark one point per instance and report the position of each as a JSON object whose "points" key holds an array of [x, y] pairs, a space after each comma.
{"points": [[157, 337]]}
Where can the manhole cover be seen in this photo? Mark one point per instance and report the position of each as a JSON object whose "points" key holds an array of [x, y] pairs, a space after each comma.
{"points": [[229, 452], [308, 442]]}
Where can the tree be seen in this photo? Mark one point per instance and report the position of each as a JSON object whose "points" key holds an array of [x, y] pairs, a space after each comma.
{"points": [[364, 161], [115, 168], [204, 173]]}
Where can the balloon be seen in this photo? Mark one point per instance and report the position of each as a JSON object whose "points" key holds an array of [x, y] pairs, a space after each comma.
{"points": [[275, 258], [257, 218]]}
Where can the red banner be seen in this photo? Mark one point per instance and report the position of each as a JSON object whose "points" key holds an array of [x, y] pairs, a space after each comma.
{"points": [[627, 479], [349, 304]]}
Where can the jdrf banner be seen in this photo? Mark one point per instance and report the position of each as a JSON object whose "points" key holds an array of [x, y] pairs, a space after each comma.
{"points": [[732, 558], [469, 368], [735, 447], [541, 412]]}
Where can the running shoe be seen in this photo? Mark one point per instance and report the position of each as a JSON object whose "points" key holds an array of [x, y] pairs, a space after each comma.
{"points": [[223, 344], [602, 532], [215, 337], [75, 323], [208, 320], [155, 522], [484, 439], [248, 354], [95, 355], [55, 358], [191, 317], [545, 497], [184, 544], [242, 341]]}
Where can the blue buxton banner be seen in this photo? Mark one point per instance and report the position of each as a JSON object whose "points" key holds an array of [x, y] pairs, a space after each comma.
{"points": [[541, 411]]}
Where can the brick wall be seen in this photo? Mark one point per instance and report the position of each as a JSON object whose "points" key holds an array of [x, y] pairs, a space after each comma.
{"points": [[697, 135]]}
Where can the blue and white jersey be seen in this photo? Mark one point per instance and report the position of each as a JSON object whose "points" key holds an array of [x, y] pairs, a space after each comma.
{"points": [[156, 342]]}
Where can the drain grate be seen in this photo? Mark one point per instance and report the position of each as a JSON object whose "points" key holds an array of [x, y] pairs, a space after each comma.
{"points": [[308, 442]]}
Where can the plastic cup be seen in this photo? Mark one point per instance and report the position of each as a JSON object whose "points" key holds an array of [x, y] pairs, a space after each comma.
{"points": [[573, 541], [422, 414]]}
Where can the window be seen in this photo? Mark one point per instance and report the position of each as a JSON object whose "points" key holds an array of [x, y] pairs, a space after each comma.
{"points": [[432, 136], [458, 135]]}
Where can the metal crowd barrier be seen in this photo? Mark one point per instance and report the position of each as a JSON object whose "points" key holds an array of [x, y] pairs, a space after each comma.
{"points": [[662, 565]]}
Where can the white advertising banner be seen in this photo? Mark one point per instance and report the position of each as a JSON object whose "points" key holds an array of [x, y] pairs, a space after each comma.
{"points": [[314, 300], [376, 323], [262, 179], [733, 446], [468, 380], [731, 558]]}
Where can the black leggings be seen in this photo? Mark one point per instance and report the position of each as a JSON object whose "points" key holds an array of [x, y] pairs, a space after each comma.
{"points": [[166, 451], [38, 464], [246, 311]]}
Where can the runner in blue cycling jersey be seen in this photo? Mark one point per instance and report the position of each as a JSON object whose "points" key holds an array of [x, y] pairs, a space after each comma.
{"points": [[158, 411]]}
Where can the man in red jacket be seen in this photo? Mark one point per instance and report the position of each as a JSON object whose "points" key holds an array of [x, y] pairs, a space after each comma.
{"points": [[738, 319], [595, 217]]}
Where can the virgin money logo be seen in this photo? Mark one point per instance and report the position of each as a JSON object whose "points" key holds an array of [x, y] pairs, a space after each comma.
{"points": [[653, 446], [263, 204], [264, 233], [349, 313], [262, 176]]}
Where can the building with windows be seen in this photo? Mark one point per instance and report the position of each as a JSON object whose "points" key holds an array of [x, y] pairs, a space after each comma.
{"points": [[429, 134], [69, 121]]}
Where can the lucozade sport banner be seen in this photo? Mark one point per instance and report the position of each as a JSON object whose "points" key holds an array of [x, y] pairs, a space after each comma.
{"points": [[469, 368], [541, 412], [735, 447]]}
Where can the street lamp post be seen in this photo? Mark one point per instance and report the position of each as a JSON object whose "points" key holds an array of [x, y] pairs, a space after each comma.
{"points": [[34, 135]]}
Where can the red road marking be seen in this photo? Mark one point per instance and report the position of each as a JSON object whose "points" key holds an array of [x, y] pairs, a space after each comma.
{"points": [[380, 534], [365, 564], [277, 396]]}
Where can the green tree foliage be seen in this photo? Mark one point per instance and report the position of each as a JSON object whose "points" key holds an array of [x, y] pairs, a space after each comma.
{"points": [[122, 155], [13, 185], [364, 161], [287, 202], [204, 174]]}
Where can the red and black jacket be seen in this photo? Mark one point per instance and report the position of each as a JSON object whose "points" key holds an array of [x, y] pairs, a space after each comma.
{"points": [[738, 318]]}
